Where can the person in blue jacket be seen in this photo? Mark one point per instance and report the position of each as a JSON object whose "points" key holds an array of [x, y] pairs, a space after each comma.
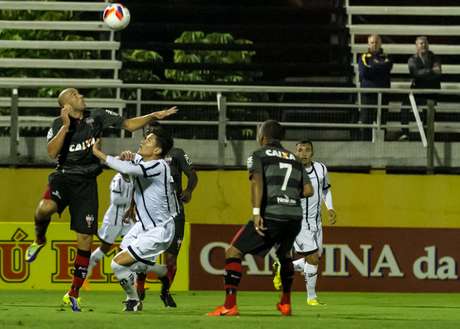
{"points": [[374, 72]]}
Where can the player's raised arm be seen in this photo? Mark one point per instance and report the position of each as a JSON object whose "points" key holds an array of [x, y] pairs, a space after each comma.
{"points": [[141, 121], [56, 141], [123, 167]]}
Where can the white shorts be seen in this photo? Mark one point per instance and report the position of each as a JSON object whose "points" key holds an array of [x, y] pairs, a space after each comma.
{"points": [[109, 233], [308, 241], [145, 246]]}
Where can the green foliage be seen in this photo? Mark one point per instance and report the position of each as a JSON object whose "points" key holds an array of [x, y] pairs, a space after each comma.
{"points": [[208, 57], [142, 56]]}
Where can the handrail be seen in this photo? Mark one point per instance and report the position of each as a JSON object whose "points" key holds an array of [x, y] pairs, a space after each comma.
{"points": [[52, 82]]}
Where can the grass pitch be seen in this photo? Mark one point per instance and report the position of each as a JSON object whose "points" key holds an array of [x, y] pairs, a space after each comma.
{"points": [[42, 309]]}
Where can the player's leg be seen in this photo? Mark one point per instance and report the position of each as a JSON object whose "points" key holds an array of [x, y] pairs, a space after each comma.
{"points": [[97, 255], [246, 241], [107, 234], [144, 247], [54, 200], [45, 209], [311, 275], [121, 267], [311, 268], [83, 208], [286, 234], [170, 257]]}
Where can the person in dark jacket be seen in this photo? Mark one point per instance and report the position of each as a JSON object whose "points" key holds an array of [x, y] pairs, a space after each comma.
{"points": [[425, 70], [374, 72]]}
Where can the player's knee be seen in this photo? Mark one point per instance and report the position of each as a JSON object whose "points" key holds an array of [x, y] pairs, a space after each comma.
{"points": [[45, 209], [116, 268], [105, 247], [233, 252], [312, 259]]}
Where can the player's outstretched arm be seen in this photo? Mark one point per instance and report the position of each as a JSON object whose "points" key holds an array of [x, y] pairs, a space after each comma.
{"points": [[136, 123]]}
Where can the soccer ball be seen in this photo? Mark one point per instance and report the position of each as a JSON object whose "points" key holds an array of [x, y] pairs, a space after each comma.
{"points": [[116, 16]]}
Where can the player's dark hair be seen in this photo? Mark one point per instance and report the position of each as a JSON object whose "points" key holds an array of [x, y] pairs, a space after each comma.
{"points": [[272, 130], [163, 137], [309, 142]]}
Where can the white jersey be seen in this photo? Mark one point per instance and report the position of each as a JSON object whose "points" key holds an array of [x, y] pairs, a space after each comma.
{"points": [[121, 193], [311, 206], [156, 201]]}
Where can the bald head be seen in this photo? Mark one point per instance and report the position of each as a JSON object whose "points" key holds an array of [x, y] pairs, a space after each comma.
{"points": [[64, 95], [374, 43], [72, 97]]}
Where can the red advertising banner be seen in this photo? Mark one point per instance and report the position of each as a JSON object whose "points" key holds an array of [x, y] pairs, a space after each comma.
{"points": [[354, 259]]}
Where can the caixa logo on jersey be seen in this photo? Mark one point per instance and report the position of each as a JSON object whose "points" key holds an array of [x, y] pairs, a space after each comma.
{"points": [[13, 267]]}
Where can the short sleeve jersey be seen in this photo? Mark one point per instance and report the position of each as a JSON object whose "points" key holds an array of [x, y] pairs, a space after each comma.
{"points": [[180, 162], [76, 156], [283, 181]]}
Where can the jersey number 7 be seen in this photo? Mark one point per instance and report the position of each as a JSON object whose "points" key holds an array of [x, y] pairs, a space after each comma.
{"points": [[287, 166]]}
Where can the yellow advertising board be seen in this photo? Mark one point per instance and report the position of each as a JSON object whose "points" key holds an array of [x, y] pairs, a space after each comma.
{"points": [[53, 267]]}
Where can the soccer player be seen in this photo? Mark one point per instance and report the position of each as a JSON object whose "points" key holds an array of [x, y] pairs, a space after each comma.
{"points": [[179, 162], [74, 184], [114, 223], [156, 206], [278, 182], [309, 242]]}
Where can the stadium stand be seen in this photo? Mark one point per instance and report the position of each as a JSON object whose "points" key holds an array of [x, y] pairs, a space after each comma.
{"points": [[399, 23]]}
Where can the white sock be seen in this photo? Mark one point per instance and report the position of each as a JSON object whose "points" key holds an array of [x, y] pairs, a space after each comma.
{"points": [[127, 279], [311, 274], [299, 264], [96, 256]]}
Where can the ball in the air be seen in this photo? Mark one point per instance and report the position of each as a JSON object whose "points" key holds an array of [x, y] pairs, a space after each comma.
{"points": [[116, 16]]}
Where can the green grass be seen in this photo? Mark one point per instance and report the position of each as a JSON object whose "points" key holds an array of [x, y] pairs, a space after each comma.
{"points": [[42, 309]]}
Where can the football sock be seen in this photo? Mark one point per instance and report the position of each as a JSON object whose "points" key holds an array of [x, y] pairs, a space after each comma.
{"points": [[299, 264], [311, 274], [96, 256], [140, 281], [287, 277], [172, 269], [41, 226], [126, 277], [80, 271], [232, 278]]}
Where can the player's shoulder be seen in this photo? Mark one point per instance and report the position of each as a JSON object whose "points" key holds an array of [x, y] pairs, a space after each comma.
{"points": [[319, 166], [100, 112]]}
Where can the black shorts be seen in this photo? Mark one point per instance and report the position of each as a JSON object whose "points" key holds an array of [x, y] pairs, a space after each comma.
{"points": [[280, 234], [179, 221], [79, 193]]}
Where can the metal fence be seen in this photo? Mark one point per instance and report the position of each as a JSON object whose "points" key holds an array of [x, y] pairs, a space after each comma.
{"points": [[221, 102]]}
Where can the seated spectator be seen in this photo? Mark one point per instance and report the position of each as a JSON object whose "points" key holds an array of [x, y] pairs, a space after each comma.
{"points": [[374, 72]]}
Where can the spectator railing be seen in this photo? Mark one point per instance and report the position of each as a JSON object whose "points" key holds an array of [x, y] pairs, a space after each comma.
{"points": [[222, 104]]}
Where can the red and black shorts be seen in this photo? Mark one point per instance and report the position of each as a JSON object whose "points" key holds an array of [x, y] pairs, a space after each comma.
{"points": [[79, 193], [279, 233]]}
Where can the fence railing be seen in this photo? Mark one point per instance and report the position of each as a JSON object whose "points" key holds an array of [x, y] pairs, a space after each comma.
{"points": [[221, 98]]}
